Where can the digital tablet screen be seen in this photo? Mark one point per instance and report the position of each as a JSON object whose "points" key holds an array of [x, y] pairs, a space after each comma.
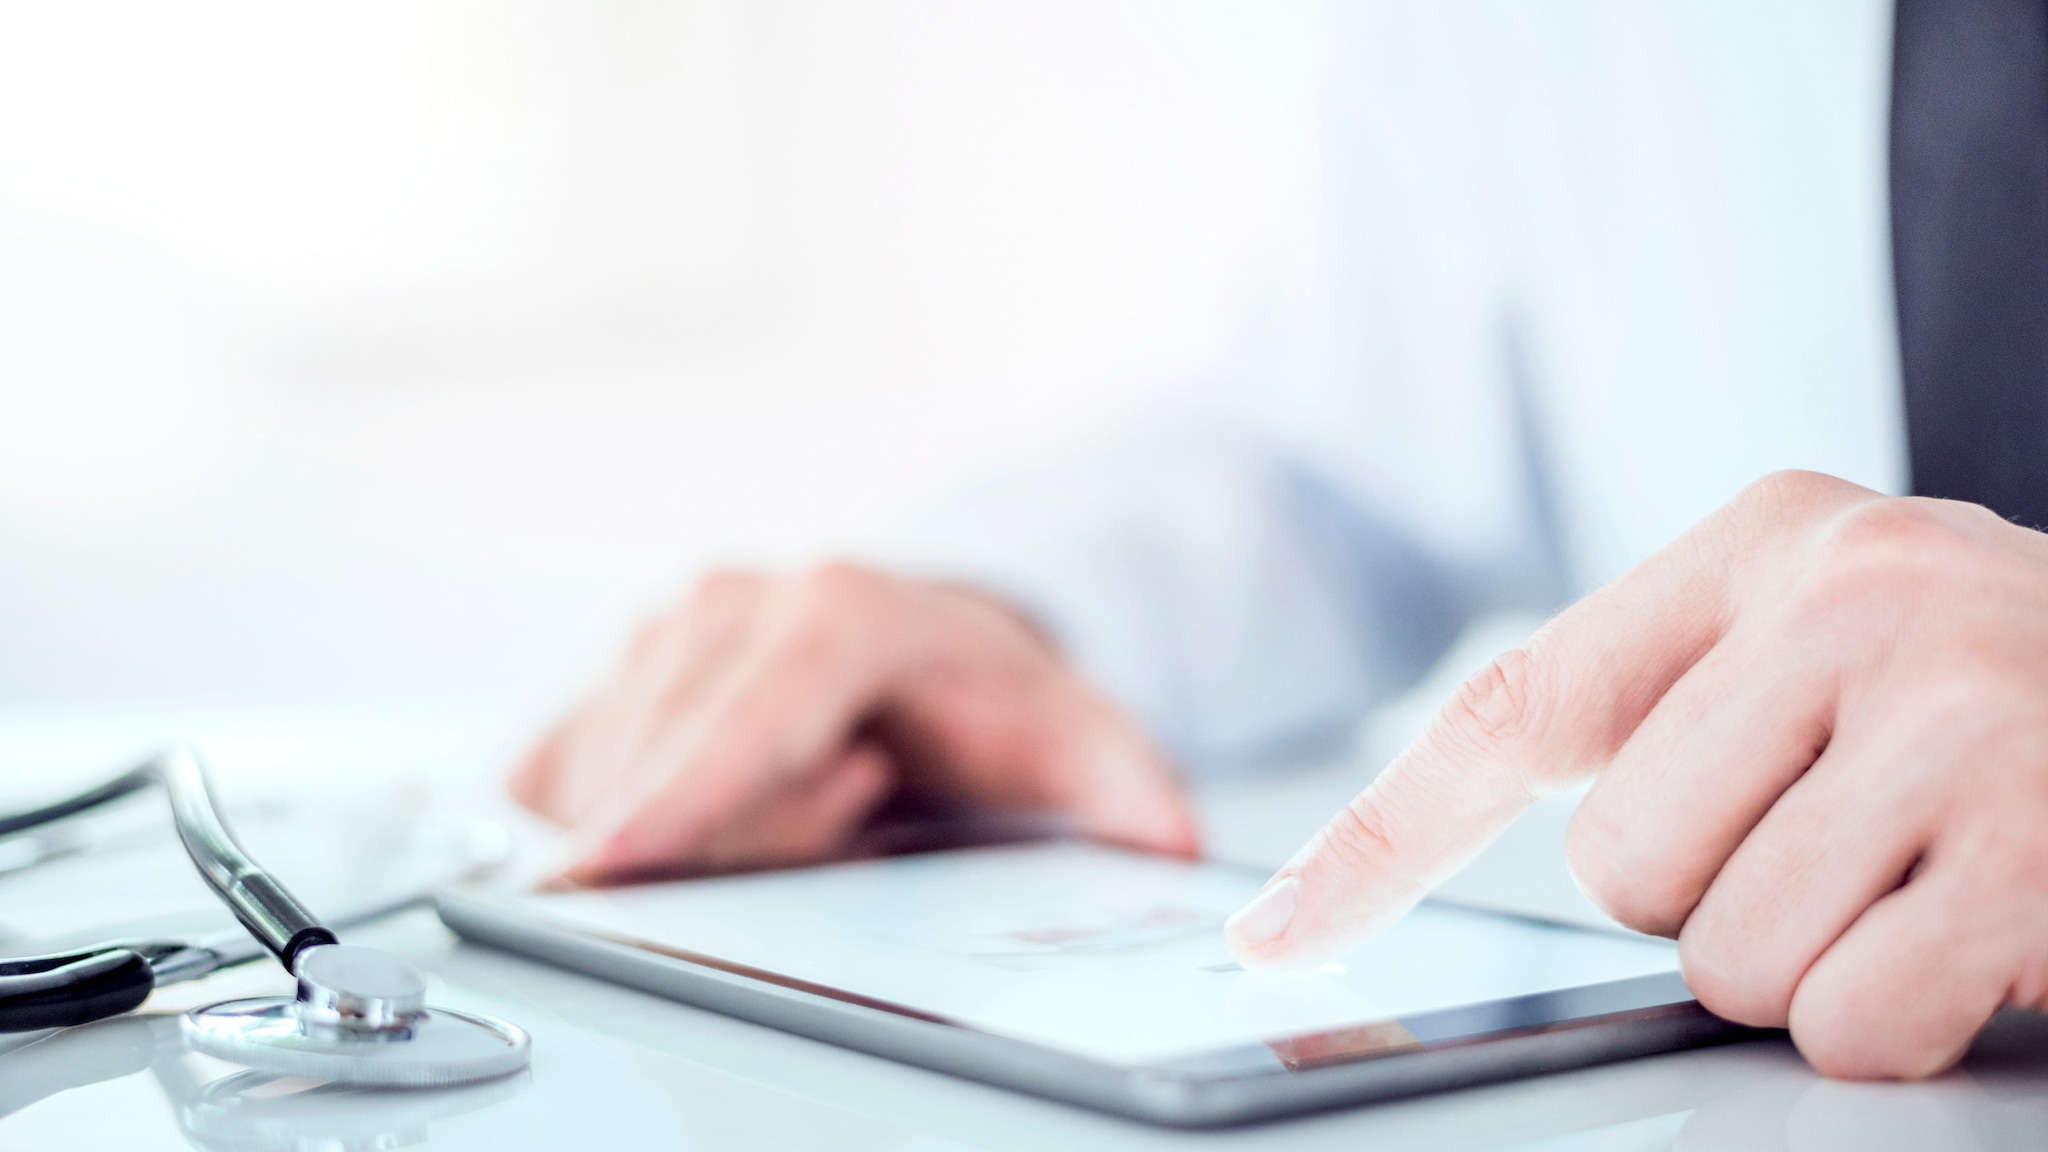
{"points": [[1110, 954]]}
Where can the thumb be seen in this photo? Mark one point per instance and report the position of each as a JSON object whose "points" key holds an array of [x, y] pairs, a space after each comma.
{"points": [[1117, 782], [1059, 744]]}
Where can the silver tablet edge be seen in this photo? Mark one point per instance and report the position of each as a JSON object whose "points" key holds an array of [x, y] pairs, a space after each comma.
{"points": [[1175, 1099]]}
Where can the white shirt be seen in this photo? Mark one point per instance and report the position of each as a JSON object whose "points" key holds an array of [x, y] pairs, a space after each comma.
{"points": [[1586, 270]]}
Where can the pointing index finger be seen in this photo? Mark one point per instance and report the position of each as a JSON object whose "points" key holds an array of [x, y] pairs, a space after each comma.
{"points": [[1535, 721]]}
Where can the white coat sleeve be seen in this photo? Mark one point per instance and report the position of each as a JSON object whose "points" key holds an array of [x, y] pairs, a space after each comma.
{"points": [[1307, 532]]}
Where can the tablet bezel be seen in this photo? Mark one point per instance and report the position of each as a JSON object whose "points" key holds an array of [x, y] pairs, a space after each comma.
{"points": [[1468, 1044]]}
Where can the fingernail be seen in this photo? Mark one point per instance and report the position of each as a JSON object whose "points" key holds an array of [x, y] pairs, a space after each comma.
{"points": [[1267, 916]]}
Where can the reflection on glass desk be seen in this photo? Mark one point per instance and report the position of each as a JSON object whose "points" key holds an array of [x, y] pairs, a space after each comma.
{"points": [[223, 1110], [615, 1068]]}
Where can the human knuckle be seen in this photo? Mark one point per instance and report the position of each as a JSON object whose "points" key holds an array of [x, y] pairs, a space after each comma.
{"points": [[1503, 704], [1897, 527], [1999, 708], [827, 593], [1791, 492], [723, 586], [822, 617], [841, 582], [1367, 834], [1362, 829], [1889, 546], [1997, 838], [2022, 854]]}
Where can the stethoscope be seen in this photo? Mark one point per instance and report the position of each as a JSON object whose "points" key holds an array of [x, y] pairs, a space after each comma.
{"points": [[360, 1015]]}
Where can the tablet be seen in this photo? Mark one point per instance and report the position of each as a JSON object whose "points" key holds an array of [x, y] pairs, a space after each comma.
{"points": [[1099, 976]]}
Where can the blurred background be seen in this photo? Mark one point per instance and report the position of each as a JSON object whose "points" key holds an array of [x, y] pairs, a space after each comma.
{"points": [[407, 354]]}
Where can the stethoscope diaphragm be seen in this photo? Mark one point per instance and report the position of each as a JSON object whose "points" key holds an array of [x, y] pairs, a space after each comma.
{"points": [[360, 1017], [441, 1047]]}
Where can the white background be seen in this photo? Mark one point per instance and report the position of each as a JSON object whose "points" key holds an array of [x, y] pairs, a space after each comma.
{"points": [[402, 352]]}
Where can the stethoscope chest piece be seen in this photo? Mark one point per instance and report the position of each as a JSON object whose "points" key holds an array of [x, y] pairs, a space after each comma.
{"points": [[360, 1017]]}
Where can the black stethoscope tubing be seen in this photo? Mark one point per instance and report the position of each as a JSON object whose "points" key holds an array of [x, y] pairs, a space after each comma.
{"points": [[110, 978]]}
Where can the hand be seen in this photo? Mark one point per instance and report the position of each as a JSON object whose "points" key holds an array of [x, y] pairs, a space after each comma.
{"points": [[763, 720], [1818, 730]]}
